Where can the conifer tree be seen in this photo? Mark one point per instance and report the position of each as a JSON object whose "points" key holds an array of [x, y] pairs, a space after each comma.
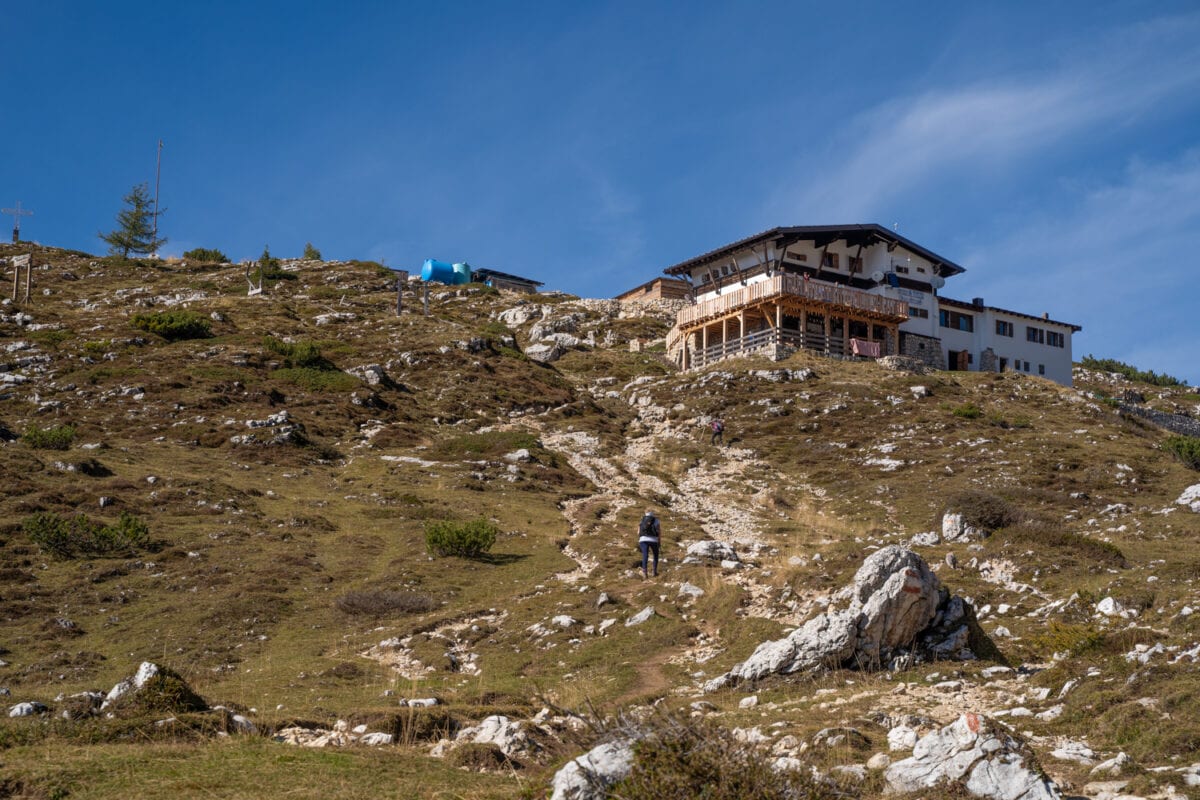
{"points": [[135, 226]]}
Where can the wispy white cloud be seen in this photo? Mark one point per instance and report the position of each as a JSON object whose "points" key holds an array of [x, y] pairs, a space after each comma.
{"points": [[1122, 262], [967, 131]]}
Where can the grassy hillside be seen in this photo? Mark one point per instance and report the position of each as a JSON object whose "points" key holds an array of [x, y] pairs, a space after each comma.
{"points": [[284, 572]]}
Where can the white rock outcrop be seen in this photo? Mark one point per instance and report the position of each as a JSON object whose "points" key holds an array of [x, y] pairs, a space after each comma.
{"points": [[1190, 498], [589, 776], [980, 754], [896, 608]]}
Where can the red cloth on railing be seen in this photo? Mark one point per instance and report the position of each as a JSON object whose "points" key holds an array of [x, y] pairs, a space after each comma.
{"points": [[861, 347]]}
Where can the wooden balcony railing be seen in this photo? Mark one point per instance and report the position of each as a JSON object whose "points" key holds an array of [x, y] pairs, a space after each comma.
{"points": [[760, 340], [831, 294]]}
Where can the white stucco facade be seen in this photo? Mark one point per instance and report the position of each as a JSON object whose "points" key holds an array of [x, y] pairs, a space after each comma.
{"points": [[875, 260]]}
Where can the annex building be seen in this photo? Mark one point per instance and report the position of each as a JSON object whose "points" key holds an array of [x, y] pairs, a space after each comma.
{"points": [[852, 291]]}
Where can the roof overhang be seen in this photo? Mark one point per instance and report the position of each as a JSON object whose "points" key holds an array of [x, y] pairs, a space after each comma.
{"points": [[821, 235]]}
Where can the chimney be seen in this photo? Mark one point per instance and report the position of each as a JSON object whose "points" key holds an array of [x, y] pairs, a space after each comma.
{"points": [[1045, 315], [977, 302]]}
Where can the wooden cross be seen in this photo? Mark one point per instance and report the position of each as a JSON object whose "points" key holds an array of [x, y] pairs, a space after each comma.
{"points": [[16, 213]]}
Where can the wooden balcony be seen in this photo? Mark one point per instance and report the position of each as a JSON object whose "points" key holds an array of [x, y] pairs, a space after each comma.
{"points": [[795, 289], [760, 313]]}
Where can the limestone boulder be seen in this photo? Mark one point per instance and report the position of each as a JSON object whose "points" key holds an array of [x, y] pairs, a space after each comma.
{"points": [[545, 353], [515, 317], [989, 761], [589, 776], [897, 611], [709, 551]]}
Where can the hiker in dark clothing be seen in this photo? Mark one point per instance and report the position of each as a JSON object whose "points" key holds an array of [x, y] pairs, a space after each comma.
{"points": [[649, 532], [718, 431]]}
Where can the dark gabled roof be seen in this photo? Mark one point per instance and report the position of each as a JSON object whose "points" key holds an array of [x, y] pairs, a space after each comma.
{"points": [[482, 275], [972, 307], [822, 235]]}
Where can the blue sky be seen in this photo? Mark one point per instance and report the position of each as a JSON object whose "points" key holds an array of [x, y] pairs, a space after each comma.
{"points": [[1052, 149]]}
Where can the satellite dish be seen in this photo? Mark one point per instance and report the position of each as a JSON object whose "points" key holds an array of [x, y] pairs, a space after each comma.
{"points": [[877, 276], [937, 281]]}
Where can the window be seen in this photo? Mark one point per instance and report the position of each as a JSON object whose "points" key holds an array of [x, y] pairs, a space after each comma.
{"points": [[955, 320], [1041, 369], [914, 312], [829, 261], [796, 256], [1055, 339], [855, 265], [1026, 366], [725, 270], [902, 270], [1033, 334], [970, 358], [1004, 328]]}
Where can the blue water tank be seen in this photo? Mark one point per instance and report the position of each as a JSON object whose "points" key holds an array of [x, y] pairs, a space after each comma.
{"points": [[440, 271]]}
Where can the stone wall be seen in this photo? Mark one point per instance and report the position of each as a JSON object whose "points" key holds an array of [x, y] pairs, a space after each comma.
{"points": [[923, 348], [1175, 423]]}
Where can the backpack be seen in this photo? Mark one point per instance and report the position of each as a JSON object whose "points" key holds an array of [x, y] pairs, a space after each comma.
{"points": [[718, 426], [648, 527]]}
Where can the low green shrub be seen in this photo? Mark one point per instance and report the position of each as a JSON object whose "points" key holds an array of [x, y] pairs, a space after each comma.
{"points": [[206, 255], [983, 510], [464, 539], [318, 380], [173, 326], [1129, 371], [694, 758], [968, 411], [303, 355], [79, 536], [1184, 448], [59, 437]]}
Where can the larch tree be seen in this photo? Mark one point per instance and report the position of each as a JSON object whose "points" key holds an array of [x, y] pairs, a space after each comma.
{"points": [[135, 226]]}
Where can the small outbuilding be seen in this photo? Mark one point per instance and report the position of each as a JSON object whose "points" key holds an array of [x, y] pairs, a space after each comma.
{"points": [[502, 280], [657, 289]]}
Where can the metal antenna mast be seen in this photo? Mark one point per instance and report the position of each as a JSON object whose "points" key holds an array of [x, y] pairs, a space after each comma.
{"points": [[157, 173], [17, 213]]}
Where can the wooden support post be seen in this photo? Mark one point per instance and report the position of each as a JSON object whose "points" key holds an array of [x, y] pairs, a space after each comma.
{"points": [[704, 345], [845, 335], [803, 327], [828, 331], [18, 262], [724, 337]]}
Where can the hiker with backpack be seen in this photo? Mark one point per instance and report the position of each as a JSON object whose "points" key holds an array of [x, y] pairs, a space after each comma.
{"points": [[718, 431], [649, 534]]}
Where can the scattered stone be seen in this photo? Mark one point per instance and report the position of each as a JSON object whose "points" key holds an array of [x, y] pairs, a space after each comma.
{"points": [[545, 353], [1112, 766], [879, 761], [27, 709], [955, 529], [1078, 752], [642, 616], [709, 551]]}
